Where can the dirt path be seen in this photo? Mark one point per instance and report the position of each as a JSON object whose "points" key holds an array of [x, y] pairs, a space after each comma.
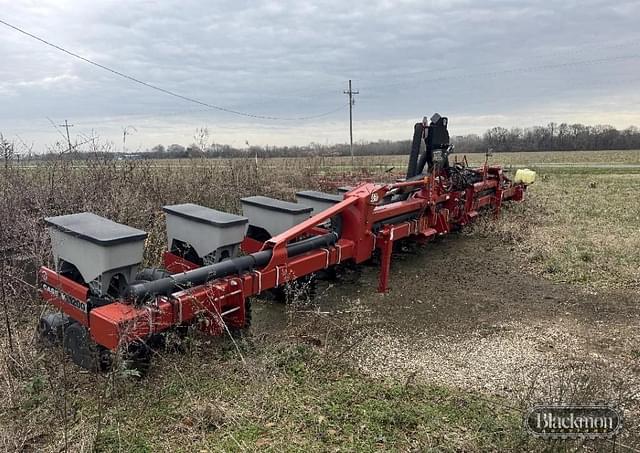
{"points": [[463, 312]]}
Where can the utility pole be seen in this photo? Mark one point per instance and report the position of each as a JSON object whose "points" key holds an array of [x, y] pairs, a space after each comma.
{"points": [[66, 125], [351, 93]]}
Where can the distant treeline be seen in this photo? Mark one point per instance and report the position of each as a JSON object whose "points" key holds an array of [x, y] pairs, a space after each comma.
{"points": [[538, 138], [380, 147], [553, 137]]}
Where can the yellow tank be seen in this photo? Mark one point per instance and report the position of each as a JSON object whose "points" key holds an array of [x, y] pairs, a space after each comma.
{"points": [[525, 176]]}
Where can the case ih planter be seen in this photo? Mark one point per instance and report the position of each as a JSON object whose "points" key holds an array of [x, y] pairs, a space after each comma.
{"points": [[105, 306]]}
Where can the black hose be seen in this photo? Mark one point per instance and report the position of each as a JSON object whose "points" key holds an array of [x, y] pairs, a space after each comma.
{"points": [[418, 130], [152, 273], [397, 219], [232, 266]]}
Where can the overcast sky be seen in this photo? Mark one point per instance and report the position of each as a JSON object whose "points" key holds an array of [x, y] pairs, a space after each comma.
{"points": [[482, 63]]}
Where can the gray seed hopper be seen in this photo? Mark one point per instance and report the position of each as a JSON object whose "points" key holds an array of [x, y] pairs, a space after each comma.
{"points": [[98, 248], [272, 215], [344, 189], [213, 235], [319, 201]]}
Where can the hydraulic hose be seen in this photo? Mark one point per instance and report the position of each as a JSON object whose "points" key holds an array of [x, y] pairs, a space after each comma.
{"points": [[168, 285]]}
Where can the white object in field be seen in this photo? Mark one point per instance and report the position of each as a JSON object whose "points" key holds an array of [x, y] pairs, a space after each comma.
{"points": [[272, 215], [98, 248], [214, 235], [319, 201], [525, 176]]}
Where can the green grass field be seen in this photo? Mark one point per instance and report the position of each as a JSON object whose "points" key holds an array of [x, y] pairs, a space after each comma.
{"points": [[579, 227]]}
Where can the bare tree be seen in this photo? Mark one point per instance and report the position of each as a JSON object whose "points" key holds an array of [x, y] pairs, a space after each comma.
{"points": [[7, 150], [201, 139]]}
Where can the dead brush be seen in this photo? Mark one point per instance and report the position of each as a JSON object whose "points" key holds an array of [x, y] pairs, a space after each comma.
{"points": [[581, 383], [133, 193], [127, 192]]}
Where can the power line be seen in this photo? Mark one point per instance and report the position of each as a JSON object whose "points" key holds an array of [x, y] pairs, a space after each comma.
{"points": [[56, 128], [163, 90], [436, 98], [586, 47], [526, 69], [527, 96]]}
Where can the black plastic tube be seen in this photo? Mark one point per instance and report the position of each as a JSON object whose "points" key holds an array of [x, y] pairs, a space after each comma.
{"points": [[415, 149], [397, 219], [232, 266]]}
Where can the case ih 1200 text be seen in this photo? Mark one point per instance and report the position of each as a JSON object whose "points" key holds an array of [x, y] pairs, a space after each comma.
{"points": [[107, 303]]}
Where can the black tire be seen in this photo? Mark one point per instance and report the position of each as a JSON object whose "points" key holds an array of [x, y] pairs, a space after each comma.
{"points": [[83, 350], [138, 358]]}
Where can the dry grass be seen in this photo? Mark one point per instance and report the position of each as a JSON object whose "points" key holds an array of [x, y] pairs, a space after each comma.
{"points": [[49, 403], [578, 228], [290, 394]]}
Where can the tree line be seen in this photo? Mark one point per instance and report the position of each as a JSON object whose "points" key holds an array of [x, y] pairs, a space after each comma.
{"points": [[552, 137]]}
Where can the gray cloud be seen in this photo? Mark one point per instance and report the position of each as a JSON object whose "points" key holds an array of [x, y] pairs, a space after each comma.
{"points": [[487, 62]]}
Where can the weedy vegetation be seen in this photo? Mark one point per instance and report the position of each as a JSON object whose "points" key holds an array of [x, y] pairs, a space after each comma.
{"points": [[290, 389]]}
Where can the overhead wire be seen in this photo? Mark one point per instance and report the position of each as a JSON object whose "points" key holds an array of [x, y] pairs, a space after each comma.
{"points": [[588, 47], [64, 137], [164, 90], [526, 69]]}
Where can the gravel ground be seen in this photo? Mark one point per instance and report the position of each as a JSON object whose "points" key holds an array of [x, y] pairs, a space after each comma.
{"points": [[464, 312]]}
